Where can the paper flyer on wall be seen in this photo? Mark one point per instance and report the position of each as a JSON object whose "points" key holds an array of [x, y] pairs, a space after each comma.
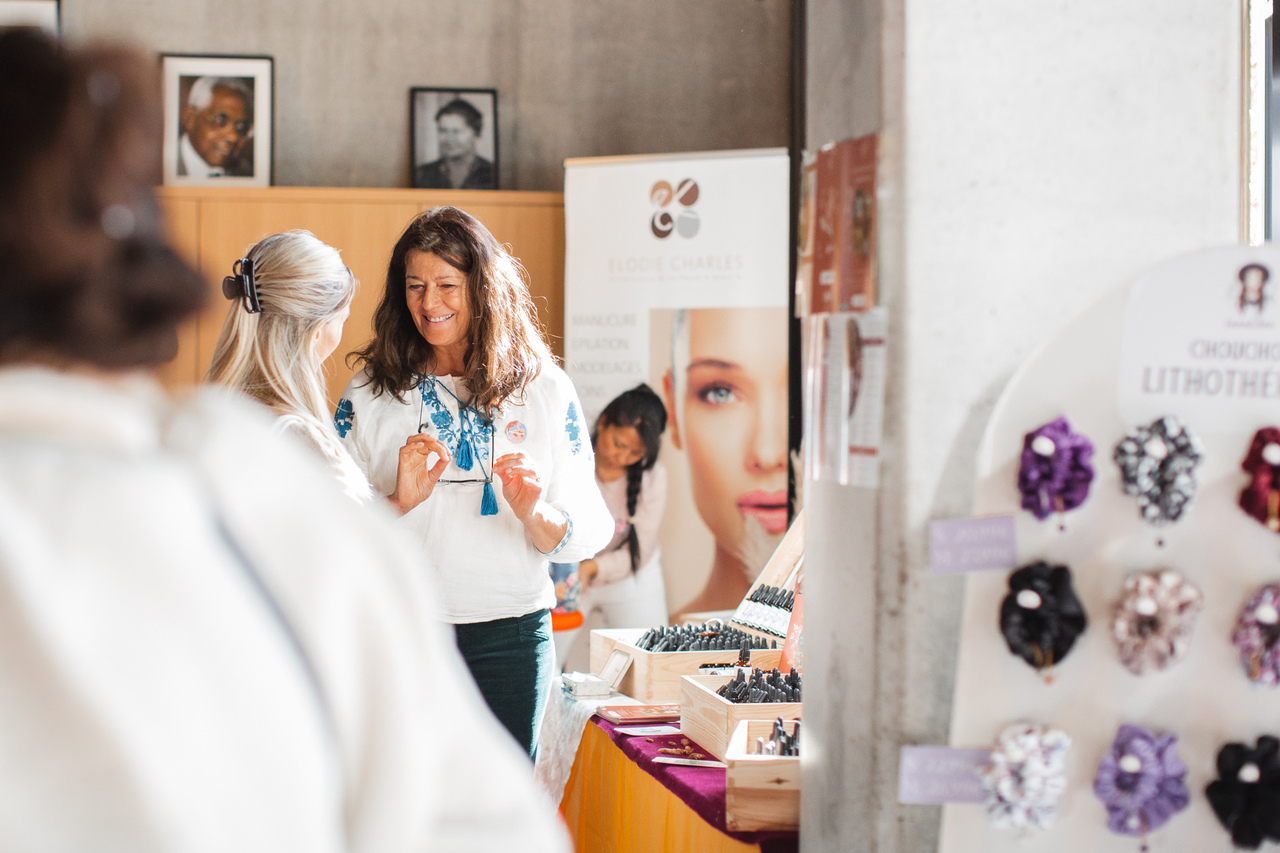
{"points": [[845, 366], [838, 217], [805, 233]]}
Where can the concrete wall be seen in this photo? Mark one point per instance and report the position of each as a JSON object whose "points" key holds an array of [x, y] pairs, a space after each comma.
{"points": [[1035, 156], [574, 79]]}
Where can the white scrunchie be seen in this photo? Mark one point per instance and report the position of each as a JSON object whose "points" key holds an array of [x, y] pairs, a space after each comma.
{"points": [[1025, 776]]}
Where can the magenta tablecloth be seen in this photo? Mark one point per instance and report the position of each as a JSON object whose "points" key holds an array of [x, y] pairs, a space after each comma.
{"points": [[700, 788]]}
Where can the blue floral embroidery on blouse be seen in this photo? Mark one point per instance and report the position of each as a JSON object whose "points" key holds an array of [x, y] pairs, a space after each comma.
{"points": [[573, 427], [482, 431], [440, 416], [447, 429], [344, 417]]}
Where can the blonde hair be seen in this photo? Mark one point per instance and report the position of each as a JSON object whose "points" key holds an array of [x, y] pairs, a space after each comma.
{"points": [[301, 283]]}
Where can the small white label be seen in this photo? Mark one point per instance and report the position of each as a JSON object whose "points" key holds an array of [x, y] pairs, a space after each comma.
{"points": [[687, 762], [648, 731]]}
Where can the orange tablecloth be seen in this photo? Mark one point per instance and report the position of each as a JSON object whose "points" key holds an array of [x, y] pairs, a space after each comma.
{"points": [[613, 806]]}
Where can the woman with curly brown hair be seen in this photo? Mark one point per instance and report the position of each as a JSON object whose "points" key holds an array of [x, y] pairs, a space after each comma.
{"points": [[457, 355]]}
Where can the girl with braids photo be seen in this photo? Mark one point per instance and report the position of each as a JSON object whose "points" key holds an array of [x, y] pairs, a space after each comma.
{"points": [[624, 581]]}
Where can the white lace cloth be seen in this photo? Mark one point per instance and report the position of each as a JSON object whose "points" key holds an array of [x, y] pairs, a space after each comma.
{"points": [[562, 727]]}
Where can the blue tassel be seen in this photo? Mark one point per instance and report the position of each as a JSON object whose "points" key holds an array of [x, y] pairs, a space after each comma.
{"points": [[464, 458], [489, 503]]}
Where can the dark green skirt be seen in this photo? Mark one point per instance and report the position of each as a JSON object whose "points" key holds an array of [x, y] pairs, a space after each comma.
{"points": [[512, 661]]}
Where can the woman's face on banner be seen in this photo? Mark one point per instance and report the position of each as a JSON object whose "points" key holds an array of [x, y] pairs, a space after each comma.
{"points": [[733, 425]]}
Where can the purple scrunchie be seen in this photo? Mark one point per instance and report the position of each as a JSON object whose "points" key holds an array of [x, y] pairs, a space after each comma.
{"points": [[1141, 781], [1055, 469], [1257, 635]]}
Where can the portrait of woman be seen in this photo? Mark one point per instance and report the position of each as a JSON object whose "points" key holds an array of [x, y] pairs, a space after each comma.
{"points": [[726, 397]]}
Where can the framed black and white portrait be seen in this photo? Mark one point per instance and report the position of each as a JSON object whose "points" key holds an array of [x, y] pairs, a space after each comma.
{"points": [[44, 14], [454, 138], [218, 120]]}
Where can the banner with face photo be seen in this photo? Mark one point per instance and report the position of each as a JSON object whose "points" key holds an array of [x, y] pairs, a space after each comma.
{"points": [[676, 274]]}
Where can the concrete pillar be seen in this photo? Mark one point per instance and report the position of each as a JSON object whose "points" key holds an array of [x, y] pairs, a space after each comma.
{"points": [[1034, 157]]}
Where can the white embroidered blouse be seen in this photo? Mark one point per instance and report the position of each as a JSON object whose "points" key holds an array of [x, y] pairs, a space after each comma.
{"points": [[485, 567]]}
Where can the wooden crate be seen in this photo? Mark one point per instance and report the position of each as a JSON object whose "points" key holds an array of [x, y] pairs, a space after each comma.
{"points": [[654, 677], [710, 720], [761, 791]]}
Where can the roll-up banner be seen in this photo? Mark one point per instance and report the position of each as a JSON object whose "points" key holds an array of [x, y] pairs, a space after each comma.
{"points": [[676, 274]]}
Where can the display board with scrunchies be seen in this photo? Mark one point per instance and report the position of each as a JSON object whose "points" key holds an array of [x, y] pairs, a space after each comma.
{"points": [[1180, 579]]}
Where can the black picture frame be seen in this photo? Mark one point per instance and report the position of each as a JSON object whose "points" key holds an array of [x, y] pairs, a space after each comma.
{"points": [[428, 167], [252, 161], [43, 14]]}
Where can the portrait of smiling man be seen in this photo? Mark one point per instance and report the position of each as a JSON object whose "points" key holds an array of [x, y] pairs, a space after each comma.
{"points": [[216, 125]]}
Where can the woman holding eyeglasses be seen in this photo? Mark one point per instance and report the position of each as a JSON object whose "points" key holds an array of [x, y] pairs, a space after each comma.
{"points": [[457, 355]]}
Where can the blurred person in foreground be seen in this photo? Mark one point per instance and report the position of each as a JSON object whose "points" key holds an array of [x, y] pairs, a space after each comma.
{"points": [[203, 644]]}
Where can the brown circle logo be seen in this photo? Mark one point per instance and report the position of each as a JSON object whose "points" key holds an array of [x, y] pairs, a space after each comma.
{"points": [[661, 194], [682, 220]]}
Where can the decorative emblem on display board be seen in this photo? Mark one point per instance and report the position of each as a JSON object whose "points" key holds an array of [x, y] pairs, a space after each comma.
{"points": [[1055, 469], [1200, 339], [1246, 794], [1141, 781], [1154, 619], [1261, 498], [685, 221], [1041, 617], [1026, 775]]}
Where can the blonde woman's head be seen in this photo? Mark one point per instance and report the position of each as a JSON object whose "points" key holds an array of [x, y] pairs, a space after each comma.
{"points": [[276, 355]]}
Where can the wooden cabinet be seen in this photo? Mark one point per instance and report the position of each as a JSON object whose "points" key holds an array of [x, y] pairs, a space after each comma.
{"points": [[213, 226]]}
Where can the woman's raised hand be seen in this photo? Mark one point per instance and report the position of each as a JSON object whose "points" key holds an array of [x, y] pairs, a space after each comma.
{"points": [[520, 484], [521, 487], [414, 480]]}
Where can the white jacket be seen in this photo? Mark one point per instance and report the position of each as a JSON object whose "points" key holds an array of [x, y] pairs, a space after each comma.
{"points": [[204, 646]]}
